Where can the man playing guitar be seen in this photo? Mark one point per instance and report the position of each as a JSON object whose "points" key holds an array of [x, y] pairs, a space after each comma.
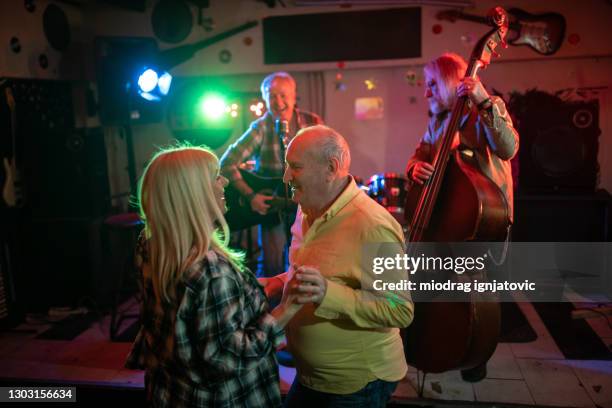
{"points": [[262, 142]]}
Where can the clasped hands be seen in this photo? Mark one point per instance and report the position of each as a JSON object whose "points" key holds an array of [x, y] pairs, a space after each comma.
{"points": [[300, 285]]}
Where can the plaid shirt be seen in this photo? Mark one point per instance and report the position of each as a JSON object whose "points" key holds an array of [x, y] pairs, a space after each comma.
{"points": [[261, 142], [214, 346]]}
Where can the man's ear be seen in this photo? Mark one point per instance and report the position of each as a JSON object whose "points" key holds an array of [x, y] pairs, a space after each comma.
{"points": [[333, 166]]}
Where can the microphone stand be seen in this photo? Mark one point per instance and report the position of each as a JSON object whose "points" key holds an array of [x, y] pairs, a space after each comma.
{"points": [[282, 135]]}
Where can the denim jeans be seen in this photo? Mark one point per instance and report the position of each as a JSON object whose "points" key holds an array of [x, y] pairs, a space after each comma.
{"points": [[373, 395], [273, 242]]}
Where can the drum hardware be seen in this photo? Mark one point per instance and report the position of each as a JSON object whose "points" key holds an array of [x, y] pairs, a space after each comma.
{"points": [[389, 190]]}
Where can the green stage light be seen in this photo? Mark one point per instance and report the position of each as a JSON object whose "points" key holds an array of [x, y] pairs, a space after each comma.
{"points": [[212, 106]]}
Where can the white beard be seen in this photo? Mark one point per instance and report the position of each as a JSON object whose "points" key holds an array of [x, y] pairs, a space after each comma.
{"points": [[435, 107]]}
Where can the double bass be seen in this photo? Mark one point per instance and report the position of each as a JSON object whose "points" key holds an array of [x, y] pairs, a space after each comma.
{"points": [[458, 203]]}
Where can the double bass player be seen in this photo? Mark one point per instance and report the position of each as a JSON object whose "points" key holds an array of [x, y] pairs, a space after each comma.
{"points": [[485, 129]]}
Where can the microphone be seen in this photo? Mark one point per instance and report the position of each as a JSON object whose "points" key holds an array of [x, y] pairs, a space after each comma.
{"points": [[282, 130]]}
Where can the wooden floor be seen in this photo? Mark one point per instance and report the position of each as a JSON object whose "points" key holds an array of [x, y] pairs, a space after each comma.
{"points": [[534, 373]]}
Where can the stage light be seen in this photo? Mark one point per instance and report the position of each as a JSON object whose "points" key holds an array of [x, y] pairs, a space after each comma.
{"points": [[147, 81], [257, 108], [212, 106], [152, 86], [149, 97], [164, 83], [233, 110]]}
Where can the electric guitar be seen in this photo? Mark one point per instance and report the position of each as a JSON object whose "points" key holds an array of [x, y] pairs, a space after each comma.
{"points": [[240, 215], [12, 190], [543, 33]]}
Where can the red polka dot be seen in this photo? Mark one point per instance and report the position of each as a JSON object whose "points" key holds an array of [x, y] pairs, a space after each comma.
{"points": [[436, 29], [573, 39]]}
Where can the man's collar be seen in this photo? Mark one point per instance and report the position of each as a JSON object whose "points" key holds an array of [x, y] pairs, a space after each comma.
{"points": [[350, 191], [270, 117]]}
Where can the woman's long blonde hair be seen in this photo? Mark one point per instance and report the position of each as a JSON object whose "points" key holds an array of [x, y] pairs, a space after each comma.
{"points": [[182, 218], [448, 69]]}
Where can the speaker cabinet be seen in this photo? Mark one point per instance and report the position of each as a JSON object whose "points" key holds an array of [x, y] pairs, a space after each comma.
{"points": [[60, 258], [559, 142], [562, 218], [11, 309], [63, 169], [54, 236], [68, 174]]}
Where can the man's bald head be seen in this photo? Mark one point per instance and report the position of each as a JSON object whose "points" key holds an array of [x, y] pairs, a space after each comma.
{"points": [[318, 161], [324, 144]]}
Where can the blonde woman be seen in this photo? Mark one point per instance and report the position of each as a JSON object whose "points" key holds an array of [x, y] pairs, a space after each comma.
{"points": [[207, 338]]}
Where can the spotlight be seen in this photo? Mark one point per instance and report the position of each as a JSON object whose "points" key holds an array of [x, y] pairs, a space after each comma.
{"points": [[164, 83], [147, 81], [212, 106], [152, 86], [217, 109]]}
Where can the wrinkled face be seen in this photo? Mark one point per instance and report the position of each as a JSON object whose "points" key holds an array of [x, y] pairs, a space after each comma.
{"points": [[280, 99], [306, 175], [432, 93], [219, 191]]}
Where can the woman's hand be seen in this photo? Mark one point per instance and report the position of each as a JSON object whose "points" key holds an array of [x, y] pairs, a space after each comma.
{"points": [[290, 289], [273, 286], [303, 284]]}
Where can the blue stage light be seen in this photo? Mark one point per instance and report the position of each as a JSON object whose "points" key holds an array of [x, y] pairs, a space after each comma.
{"points": [[153, 86], [147, 81], [165, 80]]}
